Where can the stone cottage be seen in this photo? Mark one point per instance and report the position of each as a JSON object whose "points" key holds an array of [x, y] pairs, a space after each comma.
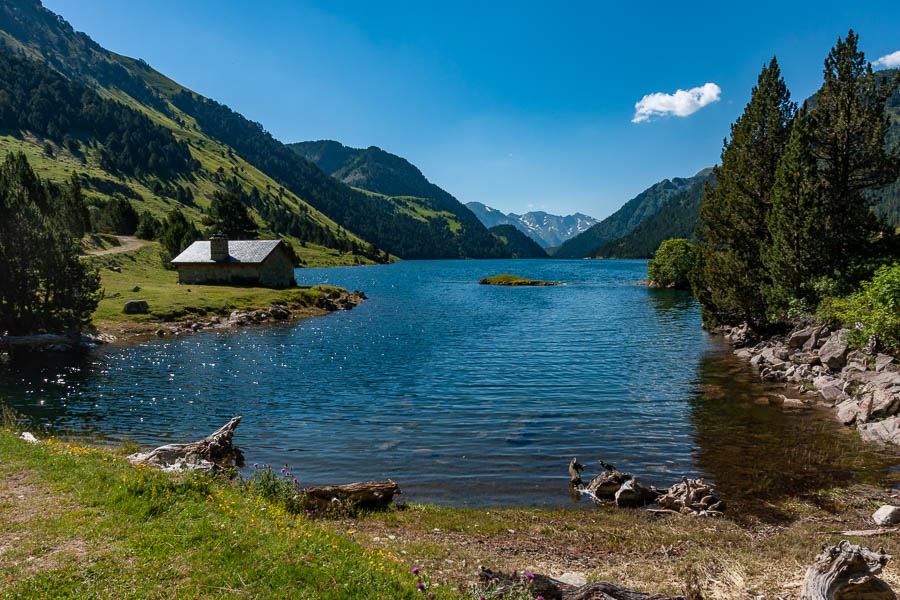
{"points": [[267, 263]]}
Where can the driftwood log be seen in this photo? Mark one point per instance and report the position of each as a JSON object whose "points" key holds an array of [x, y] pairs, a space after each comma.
{"points": [[369, 495], [691, 496], [553, 589], [847, 571], [215, 450]]}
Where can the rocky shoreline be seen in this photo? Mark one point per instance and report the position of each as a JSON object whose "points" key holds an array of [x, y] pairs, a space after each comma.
{"points": [[87, 340], [861, 387]]}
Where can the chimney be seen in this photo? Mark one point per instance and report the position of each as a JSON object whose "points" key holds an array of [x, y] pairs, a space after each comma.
{"points": [[218, 247]]}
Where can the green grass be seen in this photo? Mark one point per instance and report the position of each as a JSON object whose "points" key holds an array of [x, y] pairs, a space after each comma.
{"points": [[513, 280], [170, 300], [80, 522]]}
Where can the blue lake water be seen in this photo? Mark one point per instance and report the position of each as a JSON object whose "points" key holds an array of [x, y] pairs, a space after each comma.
{"points": [[462, 393]]}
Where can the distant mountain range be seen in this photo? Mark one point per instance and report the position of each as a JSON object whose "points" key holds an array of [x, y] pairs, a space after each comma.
{"points": [[546, 229]]}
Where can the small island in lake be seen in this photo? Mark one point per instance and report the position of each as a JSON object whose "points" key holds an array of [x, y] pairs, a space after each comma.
{"points": [[507, 279]]}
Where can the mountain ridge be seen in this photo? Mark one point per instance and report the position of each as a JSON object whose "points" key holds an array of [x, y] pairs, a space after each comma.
{"points": [[547, 229]]}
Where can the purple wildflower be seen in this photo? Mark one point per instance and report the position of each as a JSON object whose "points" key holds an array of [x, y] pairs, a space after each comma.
{"points": [[255, 465], [420, 586], [530, 576], [415, 570]]}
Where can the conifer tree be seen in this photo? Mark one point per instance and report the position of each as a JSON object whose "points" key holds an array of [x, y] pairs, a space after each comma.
{"points": [[849, 125], [230, 216], [796, 251], [730, 275], [44, 285]]}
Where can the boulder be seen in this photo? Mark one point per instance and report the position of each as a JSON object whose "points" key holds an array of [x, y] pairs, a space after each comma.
{"points": [[846, 411], [887, 515], [136, 307], [793, 403], [882, 361], [756, 360], [799, 338], [832, 392], [887, 431], [833, 352], [884, 403]]}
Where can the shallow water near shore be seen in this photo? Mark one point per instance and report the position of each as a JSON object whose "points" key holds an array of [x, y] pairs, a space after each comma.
{"points": [[464, 394]]}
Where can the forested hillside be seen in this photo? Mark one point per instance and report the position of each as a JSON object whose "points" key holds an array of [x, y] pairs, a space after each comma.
{"points": [[678, 218], [624, 220], [516, 243], [134, 135], [402, 188]]}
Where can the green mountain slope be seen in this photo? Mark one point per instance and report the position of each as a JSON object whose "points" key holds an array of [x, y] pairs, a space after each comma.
{"points": [[327, 221], [72, 106], [678, 218], [457, 231], [624, 220], [516, 243]]}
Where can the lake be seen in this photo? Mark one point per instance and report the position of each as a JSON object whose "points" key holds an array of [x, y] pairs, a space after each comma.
{"points": [[463, 393]]}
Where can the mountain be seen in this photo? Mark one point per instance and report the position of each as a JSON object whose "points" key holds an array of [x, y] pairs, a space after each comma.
{"points": [[546, 229], [623, 221], [678, 218], [455, 231], [516, 243], [72, 106]]}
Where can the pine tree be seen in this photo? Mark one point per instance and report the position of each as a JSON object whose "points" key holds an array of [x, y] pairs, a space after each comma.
{"points": [[849, 125], [44, 285], [797, 250], [730, 275], [227, 214]]}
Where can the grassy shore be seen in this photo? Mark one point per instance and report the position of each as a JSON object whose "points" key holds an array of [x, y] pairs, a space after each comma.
{"points": [[170, 301], [78, 521], [513, 280]]}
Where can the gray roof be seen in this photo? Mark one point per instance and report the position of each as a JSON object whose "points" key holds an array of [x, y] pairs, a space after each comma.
{"points": [[241, 251]]}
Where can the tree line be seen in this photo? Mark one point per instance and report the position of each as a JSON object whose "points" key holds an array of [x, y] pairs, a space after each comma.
{"points": [[789, 222], [37, 99]]}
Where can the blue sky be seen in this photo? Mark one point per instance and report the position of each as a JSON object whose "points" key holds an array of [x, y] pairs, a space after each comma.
{"points": [[522, 106]]}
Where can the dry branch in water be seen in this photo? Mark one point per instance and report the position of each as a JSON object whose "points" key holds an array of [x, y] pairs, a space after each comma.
{"points": [[691, 496]]}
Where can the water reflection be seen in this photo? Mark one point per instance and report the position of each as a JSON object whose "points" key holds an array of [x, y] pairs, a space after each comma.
{"points": [[758, 454]]}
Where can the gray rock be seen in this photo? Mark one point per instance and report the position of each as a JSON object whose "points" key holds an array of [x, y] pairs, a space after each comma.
{"points": [[793, 403], [832, 393], [823, 380], [136, 288], [884, 403], [882, 361], [887, 431], [846, 411], [756, 360], [134, 307], [833, 353], [573, 579], [744, 353], [799, 338], [887, 515]]}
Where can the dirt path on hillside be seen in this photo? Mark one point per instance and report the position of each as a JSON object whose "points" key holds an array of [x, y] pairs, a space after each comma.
{"points": [[128, 243]]}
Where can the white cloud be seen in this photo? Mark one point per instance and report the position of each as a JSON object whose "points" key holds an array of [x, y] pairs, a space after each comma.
{"points": [[681, 104], [889, 60]]}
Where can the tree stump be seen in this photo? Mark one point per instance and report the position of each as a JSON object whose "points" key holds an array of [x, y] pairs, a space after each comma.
{"points": [[847, 571], [369, 495], [215, 450]]}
